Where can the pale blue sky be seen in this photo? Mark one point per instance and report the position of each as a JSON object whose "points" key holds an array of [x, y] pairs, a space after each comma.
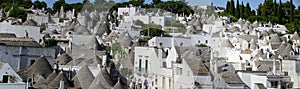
{"points": [[222, 3]]}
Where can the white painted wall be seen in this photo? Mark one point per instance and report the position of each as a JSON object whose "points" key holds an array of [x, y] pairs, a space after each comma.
{"points": [[20, 30], [201, 39], [7, 70], [13, 86], [291, 69], [167, 41], [250, 79]]}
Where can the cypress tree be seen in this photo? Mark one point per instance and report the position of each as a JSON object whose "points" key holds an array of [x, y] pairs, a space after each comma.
{"points": [[259, 10], [280, 10], [227, 10], [232, 9], [237, 14], [247, 10], [242, 12], [291, 11], [275, 9]]}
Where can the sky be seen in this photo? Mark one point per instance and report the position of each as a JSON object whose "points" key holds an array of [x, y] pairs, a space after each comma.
{"points": [[222, 3]]}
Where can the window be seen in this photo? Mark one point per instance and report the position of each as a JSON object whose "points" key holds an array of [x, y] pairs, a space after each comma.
{"points": [[170, 83], [161, 44], [31, 62], [5, 78], [198, 41], [179, 71], [206, 41], [274, 84], [163, 82], [164, 64], [146, 65], [181, 44], [140, 65]]}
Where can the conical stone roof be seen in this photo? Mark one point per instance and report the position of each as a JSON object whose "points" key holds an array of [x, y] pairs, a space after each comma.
{"points": [[40, 67], [120, 85], [103, 28], [40, 83], [287, 50], [30, 22], [50, 77], [295, 36], [83, 78], [102, 81], [55, 83], [125, 40], [226, 43], [63, 59]]}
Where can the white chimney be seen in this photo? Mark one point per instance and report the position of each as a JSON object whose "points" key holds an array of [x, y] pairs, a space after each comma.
{"points": [[274, 66], [73, 13], [61, 84], [104, 57]]}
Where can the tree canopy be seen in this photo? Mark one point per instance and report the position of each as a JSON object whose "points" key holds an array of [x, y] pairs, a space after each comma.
{"points": [[269, 11]]}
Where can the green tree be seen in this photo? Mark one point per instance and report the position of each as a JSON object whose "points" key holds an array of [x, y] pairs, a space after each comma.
{"points": [[139, 22], [259, 10], [280, 10], [227, 7], [141, 2], [50, 42], [275, 9], [292, 9], [247, 11], [152, 32], [100, 2], [18, 12], [237, 14], [86, 2], [57, 5], [156, 1], [43, 4], [232, 8], [37, 4], [26, 3], [267, 8], [242, 8]]}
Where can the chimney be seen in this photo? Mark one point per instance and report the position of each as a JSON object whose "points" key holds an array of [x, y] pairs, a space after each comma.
{"points": [[274, 66], [73, 13], [104, 57], [61, 84]]}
